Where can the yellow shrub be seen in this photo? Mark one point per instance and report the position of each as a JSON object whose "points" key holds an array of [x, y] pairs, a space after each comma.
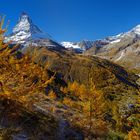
{"points": [[133, 135]]}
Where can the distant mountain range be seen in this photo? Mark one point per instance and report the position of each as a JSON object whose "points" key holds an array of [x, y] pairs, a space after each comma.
{"points": [[135, 33], [50, 91], [123, 48]]}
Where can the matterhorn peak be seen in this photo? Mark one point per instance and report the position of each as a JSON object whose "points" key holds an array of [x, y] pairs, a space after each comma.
{"points": [[25, 24], [25, 30], [24, 16]]}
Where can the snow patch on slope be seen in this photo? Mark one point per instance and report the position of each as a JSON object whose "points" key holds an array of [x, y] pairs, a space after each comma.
{"points": [[121, 56], [83, 45], [136, 30], [70, 45], [115, 41]]}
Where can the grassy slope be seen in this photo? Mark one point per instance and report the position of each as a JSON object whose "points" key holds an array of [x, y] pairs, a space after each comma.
{"points": [[24, 86], [118, 86], [28, 85]]}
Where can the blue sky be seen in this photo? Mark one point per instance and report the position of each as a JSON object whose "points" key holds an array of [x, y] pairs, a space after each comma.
{"points": [[74, 20]]}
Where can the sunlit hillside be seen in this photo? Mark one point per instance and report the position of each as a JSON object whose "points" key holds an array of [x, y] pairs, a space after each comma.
{"points": [[59, 95]]}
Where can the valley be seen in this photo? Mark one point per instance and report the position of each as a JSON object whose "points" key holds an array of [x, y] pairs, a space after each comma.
{"points": [[68, 91]]}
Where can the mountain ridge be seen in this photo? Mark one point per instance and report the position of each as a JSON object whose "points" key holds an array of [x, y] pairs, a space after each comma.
{"points": [[96, 97], [135, 31], [25, 30], [122, 48]]}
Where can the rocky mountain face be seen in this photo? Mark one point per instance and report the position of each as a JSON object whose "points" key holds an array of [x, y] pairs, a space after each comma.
{"points": [[86, 44], [26, 33], [39, 97], [81, 46], [24, 30], [60, 95], [123, 48]]}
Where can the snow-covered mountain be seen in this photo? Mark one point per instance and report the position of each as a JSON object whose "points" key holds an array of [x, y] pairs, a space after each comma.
{"points": [[133, 33], [86, 44], [27, 33], [70, 45], [82, 46], [25, 30], [113, 41], [123, 49], [135, 30], [108, 41]]}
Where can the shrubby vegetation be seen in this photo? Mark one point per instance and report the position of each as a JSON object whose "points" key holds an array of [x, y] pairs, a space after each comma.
{"points": [[98, 98]]}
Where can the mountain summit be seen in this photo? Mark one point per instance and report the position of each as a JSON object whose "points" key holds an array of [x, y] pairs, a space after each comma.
{"points": [[26, 25], [25, 30], [136, 30]]}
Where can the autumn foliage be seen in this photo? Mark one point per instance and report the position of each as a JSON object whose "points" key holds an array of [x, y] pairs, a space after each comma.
{"points": [[86, 106]]}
